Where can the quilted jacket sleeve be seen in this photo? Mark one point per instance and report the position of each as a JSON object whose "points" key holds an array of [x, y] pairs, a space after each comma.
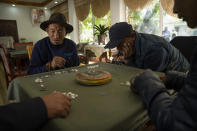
{"points": [[156, 59], [166, 112], [175, 80], [157, 100]]}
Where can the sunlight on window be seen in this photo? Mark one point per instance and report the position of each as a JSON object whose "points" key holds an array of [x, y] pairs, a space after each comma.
{"points": [[145, 20], [148, 21], [86, 27], [177, 27]]}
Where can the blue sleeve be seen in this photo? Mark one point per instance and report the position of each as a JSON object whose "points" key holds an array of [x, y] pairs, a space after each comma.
{"points": [[36, 64], [175, 80], [156, 59]]}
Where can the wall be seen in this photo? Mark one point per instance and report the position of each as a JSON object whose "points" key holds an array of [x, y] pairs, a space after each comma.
{"points": [[22, 15]]}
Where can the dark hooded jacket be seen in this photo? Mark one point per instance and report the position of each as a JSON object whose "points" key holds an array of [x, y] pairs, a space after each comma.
{"points": [[166, 112], [154, 52]]}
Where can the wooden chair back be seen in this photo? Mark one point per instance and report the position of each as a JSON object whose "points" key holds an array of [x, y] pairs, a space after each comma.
{"points": [[4, 56], [3, 83], [29, 50]]}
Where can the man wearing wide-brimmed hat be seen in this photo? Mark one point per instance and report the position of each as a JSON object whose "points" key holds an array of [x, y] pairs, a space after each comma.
{"points": [[55, 51]]}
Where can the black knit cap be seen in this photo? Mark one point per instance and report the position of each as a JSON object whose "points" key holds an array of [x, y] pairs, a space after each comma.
{"points": [[117, 33], [57, 18]]}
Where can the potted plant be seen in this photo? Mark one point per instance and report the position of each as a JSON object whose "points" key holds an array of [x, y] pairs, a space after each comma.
{"points": [[101, 32]]}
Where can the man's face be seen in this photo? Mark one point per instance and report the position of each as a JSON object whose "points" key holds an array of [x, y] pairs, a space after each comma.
{"points": [[126, 46], [187, 10], [56, 33]]}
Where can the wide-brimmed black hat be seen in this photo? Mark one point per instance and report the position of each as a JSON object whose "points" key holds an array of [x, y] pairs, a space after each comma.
{"points": [[117, 33], [57, 18]]}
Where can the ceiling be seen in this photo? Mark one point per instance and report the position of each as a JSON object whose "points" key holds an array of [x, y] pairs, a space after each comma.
{"points": [[37, 3]]}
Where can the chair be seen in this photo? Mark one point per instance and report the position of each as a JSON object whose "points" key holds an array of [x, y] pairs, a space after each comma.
{"points": [[90, 57], [29, 50], [9, 70], [3, 83], [103, 58], [22, 46], [108, 56], [185, 44], [7, 65], [85, 56], [81, 54]]}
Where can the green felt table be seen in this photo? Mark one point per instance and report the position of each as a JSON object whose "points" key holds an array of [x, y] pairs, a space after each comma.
{"points": [[112, 106]]}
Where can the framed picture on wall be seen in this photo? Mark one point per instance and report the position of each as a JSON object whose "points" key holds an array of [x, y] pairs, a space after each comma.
{"points": [[38, 16]]}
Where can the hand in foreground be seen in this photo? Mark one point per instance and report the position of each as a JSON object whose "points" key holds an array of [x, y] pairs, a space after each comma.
{"points": [[58, 62], [133, 79], [57, 104], [163, 78]]}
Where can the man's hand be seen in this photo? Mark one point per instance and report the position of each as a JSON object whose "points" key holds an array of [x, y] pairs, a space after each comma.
{"points": [[147, 70], [58, 62], [163, 78], [57, 104], [133, 80]]}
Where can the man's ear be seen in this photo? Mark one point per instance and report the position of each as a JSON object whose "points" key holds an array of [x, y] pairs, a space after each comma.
{"points": [[133, 35], [47, 29]]}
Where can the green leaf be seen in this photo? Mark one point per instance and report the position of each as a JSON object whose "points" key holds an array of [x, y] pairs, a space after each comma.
{"points": [[100, 29]]}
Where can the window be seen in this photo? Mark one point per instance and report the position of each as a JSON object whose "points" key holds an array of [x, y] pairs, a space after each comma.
{"points": [[150, 20], [145, 20], [86, 27], [177, 27]]}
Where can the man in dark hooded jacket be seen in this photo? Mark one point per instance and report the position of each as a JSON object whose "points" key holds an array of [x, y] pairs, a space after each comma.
{"points": [[145, 50], [166, 112]]}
